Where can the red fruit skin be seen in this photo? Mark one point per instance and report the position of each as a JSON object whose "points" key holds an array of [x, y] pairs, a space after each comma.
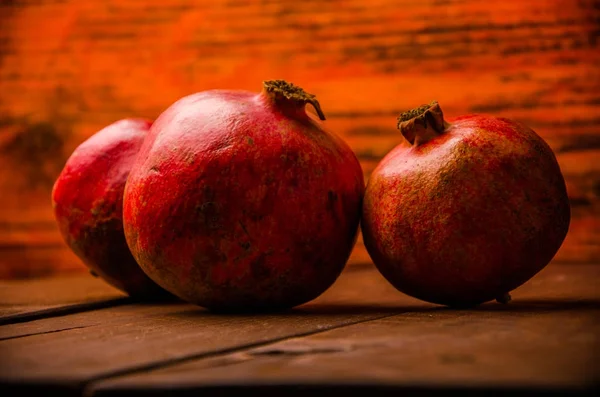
{"points": [[467, 216], [238, 203], [87, 199]]}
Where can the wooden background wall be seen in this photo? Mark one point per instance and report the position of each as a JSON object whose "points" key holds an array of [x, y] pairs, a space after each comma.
{"points": [[70, 67]]}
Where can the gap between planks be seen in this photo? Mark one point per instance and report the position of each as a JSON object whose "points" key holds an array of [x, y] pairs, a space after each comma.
{"points": [[33, 299], [357, 287], [62, 311], [478, 351], [66, 309], [562, 300], [219, 353], [130, 338]]}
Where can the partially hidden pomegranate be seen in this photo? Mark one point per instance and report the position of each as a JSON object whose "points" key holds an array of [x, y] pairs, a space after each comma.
{"points": [[239, 201], [88, 204], [465, 212]]}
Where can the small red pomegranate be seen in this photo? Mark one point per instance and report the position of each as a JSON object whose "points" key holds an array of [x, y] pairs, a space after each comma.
{"points": [[468, 211], [88, 205], [239, 201]]}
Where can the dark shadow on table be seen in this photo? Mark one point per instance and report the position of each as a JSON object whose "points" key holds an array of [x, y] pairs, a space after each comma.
{"points": [[532, 305], [309, 311], [346, 390], [525, 306]]}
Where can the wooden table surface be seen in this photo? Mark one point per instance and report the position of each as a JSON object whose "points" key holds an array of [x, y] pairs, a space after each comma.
{"points": [[78, 336]]}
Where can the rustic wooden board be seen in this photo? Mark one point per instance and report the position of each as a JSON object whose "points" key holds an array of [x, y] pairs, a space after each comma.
{"points": [[87, 64], [545, 340], [521, 349], [23, 300], [70, 350], [67, 353]]}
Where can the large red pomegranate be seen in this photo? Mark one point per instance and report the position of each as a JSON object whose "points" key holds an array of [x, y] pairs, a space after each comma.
{"points": [[88, 203], [465, 212], [239, 201]]}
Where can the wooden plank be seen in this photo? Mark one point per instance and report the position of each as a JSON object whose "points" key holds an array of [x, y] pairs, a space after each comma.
{"points": [[91, 63], [544, 341], [24, 300], [445, 351], [28, 259], [71, 350]]}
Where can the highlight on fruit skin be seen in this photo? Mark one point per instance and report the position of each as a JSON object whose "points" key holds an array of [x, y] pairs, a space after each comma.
{"points": [[239, 201], [468, 211], [87, 200]]}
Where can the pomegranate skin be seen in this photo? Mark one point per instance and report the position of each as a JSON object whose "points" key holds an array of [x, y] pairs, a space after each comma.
{"points": [[87, 199], [467, 211], [239, 201]]}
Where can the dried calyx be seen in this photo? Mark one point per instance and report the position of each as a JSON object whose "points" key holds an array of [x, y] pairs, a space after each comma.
{"points": [[281, 89], [422, 124]]}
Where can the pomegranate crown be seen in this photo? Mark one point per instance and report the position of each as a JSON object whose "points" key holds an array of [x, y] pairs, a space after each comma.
{"points": [[416, 112], [293, 93], [421, 124]]}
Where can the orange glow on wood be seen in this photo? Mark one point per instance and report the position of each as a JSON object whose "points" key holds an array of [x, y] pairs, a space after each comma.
{"points": [[69, 68]]}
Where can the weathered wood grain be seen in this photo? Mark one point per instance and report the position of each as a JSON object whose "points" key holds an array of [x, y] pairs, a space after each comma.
{"points": [[68, 68], [70, 350], [31, 299], [559, 304], [525, 351], [545, 341]]}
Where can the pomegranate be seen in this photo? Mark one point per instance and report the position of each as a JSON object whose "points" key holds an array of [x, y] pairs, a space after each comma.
{"points": [[464, 212], [88, 204], [239, 201]]}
